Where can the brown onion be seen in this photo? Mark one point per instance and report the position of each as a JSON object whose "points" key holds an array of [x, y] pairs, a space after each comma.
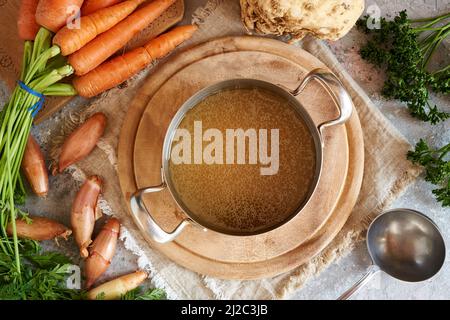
{"points": [[82, 141], [85, 213], [40, 229], [33, 165], [102, 251]]}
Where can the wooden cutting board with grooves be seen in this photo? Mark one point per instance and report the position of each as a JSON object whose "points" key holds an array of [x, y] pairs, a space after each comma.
{"points": [[11, 46], [229, 257]]}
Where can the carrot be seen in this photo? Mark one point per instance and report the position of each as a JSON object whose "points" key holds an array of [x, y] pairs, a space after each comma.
{"points": [[107, 43], [119, 69], [53, 14], [71, 40], [26, 23], [90, 6]]}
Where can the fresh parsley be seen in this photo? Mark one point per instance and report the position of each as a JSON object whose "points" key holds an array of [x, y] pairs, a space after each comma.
{"points": [[43, 275], [151, 294], [139, 294], [437, 168], [404, 48]]}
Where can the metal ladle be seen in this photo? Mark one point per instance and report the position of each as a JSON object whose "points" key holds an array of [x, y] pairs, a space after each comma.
{"points": [[405, 244]]}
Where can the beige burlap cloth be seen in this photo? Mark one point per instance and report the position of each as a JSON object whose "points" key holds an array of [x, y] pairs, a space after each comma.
{"points": [[387, 174]]}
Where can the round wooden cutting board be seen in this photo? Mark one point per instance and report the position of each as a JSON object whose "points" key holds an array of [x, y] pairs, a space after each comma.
{"points": [[227, 256], [170, 97]]}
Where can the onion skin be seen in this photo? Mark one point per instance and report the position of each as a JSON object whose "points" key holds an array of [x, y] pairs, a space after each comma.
{"points": [[40, 229], [116, 288], [102, 251], [82, 141], [33, 165], [84, 213]]}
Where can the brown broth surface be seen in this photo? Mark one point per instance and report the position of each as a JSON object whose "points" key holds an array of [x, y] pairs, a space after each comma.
{"points": [[237, 198]]}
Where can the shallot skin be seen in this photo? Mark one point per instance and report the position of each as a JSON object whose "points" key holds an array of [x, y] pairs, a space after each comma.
{"points": [[33, 165], [82, 141], [84, 213], [114, 289], [40, 229], [102, 251]]}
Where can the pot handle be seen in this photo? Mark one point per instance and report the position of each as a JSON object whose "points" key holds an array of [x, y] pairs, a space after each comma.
{"points": [[335, 89], [145, 220]]}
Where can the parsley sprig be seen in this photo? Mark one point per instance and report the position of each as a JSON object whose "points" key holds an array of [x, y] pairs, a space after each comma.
{"points": [[42, 277], [437, 168], [404, 48], [139, 294]]}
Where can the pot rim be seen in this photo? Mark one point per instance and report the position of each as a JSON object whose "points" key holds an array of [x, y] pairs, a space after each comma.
{"points": [[239, 83]]}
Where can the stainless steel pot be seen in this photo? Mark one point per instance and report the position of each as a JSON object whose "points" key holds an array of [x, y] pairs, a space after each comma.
{"points": [[330, 82]]}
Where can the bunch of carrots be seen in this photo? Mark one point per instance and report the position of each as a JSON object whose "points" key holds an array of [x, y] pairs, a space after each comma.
{"points": [[104, 28], [64, 37]]}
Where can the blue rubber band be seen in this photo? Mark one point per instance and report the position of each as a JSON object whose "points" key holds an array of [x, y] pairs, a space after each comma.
{"points": [[34, 109]]}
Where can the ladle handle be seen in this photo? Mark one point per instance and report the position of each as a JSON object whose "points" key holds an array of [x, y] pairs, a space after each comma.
{"points": [[362, 282], [335, 89], [145, 221]]}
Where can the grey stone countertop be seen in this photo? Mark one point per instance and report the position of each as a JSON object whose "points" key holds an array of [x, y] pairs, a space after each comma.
{"points": [[339, 276]]}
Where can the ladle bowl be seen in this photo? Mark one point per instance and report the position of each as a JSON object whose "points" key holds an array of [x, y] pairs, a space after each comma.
{"points": [[405, 244]]}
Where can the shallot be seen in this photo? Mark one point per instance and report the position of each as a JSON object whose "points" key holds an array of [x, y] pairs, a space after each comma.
{"points": [[85, 212], [102, 251], [33, 165], [82, 141], [40, 229]]}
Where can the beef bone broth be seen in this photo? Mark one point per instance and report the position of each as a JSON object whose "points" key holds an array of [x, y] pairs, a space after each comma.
{"points": [[240, 191]]}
